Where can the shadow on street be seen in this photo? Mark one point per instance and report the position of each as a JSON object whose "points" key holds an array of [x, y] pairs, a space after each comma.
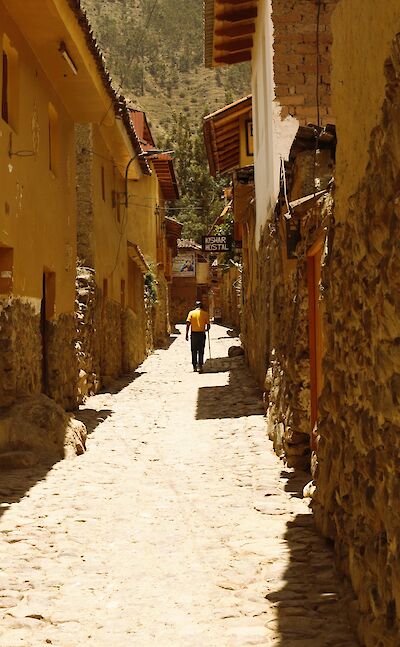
{"points": [[14, 484], [239, 398], [313, 602]]}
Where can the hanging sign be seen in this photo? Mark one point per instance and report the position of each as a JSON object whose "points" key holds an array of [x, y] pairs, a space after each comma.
{"points": [[184, 264], [217, 243]]}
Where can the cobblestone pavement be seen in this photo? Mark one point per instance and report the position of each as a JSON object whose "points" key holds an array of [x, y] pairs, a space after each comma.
{"points": [[178, 527]]}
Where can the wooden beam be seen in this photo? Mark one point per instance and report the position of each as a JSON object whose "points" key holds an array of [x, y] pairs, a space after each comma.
{"points": [[227, 130], [224, 140], [232, 137], [236, 15], [235, 30], [234, 44], [236, 57]]}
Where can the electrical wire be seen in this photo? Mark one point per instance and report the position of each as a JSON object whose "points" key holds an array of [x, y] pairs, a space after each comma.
{"points": [[318, 63]]}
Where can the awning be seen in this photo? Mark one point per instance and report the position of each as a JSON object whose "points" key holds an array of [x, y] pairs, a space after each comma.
{"points": [[222, 135], [229, 26]]}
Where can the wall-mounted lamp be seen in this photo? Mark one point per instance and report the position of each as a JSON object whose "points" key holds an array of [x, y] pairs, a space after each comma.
{"points": [[67, 57], [151, 152]]}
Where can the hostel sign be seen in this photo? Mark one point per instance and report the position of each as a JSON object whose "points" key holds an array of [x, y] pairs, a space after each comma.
{"points": [[217, 243]]}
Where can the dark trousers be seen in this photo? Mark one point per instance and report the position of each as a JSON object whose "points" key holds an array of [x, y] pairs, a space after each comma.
{"points": [[197, 343]]}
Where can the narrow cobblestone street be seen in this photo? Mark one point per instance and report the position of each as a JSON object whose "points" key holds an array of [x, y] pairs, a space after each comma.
{"points": [[178, 527]]}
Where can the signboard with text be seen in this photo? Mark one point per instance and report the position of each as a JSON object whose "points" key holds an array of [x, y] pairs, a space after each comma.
{"points": [[217, 243]]}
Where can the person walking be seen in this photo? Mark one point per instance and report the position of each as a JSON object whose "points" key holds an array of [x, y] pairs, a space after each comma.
{"points": [[198, 321]]}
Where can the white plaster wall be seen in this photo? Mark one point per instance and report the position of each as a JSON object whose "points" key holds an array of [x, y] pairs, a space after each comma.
{"points": [[272, 136]]}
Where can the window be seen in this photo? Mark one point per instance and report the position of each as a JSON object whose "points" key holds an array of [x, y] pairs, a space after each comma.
{"points": [[9, 83], [4, 89], [53, 139], [6, 269]]}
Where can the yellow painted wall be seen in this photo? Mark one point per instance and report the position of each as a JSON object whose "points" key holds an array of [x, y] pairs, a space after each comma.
{"points": [[362, 35], [109, 231], [143, 222], [37, 206]]}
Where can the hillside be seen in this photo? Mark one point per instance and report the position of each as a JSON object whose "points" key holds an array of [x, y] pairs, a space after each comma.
{"points": [[154, 52], [154, 48]]}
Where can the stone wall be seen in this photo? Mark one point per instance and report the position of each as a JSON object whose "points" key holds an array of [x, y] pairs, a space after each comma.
{"points": [[84, 193], [183, 297], [22, 369], [134, 349], [161, 315], [20, 350], [301, 56], [61, 360], [88, 321], [275, 307], [358, 492], [231, 297], [110, 341]]}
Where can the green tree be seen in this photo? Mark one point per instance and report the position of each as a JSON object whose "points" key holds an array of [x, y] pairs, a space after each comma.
{"points": [[201, 195]]}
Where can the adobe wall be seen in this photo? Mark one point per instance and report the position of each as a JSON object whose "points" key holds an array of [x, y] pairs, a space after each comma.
{"points": [[296, 51], [358, 495]]}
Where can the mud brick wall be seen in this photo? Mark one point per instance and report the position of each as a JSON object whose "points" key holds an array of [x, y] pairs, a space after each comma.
{"points": [[20, 350], [62, 363], [358, 492], [299, 61], [111, 341]]}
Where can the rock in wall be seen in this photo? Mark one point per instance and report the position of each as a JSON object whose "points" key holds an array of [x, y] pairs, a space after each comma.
{"points": [[358, 492]]}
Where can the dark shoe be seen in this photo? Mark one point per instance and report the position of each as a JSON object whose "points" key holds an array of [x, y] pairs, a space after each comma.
{"points": [[195, 369], [200, 369]]}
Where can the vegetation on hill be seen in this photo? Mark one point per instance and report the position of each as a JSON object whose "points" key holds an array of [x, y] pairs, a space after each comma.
{"points": [[154, 51]]}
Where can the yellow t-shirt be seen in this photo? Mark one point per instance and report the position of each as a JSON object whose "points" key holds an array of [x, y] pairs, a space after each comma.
{"points": [[198, 320]]}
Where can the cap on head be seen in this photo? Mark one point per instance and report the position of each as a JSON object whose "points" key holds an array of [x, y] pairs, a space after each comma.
{"points": [[198, 304]]}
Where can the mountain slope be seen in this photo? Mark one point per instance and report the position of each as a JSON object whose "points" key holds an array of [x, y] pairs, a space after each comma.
{"points": [[154, 50]]}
